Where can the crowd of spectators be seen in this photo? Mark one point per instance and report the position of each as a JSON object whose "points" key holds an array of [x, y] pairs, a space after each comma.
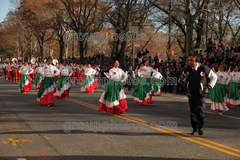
{"points": [[212, 57]]}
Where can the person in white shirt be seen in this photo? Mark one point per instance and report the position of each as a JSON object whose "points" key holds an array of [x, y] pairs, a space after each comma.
{"points": [[96, 76], [19, 65], [144, 86], [1, 67], [234, 89], [64, 85], [113, 99], [218, 94], [48, 85], [156, 77], [38, 79], [25, 81], [87, 85]]}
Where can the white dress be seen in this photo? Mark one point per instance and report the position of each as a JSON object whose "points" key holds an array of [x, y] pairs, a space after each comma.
{"points": [[223, 78], [235, 77]]}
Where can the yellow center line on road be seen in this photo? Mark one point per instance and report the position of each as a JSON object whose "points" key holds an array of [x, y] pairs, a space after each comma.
{"points": [[236, 150], [183, 135]]}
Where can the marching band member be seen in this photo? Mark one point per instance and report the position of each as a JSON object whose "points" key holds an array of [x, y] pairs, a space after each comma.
{"points": [[87, 85], [48, 85], [25, 81], [113, 99], [143, 90], [218, 94], [64, 85], [234, 89]]}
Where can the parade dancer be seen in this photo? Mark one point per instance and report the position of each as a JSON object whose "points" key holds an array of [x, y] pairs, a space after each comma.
{"points": [[82, 75], [19, 74], [8, 70], [113, 99], [64, 85], [25, 81], [234, 89], [156, 77], [143, 90], [1, 67], [96, 77], [48, 85], [196, 77], [38, 79], [218, 94], [87, 85]]}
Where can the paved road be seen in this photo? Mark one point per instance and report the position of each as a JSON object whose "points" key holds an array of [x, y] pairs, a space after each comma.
{"points": [[75, 129]]}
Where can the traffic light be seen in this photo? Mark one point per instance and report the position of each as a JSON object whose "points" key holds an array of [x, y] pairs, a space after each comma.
{"points": [[111, 36], [106, 35]]}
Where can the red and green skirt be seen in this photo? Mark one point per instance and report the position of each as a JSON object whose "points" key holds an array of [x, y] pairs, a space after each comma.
{"points": [[157, 87], [143, 91], [25, 83], [234, 95], [113, 99], [88, 84], [46, 91], [218, 97], [38, 80], [63, 87]]}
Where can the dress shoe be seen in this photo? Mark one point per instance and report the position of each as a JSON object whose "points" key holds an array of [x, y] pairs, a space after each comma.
{"points": [[193, 132], [200, 132]]}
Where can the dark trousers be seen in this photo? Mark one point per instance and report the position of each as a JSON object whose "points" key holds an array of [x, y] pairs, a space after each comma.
{"points": [[129, 84], [197, 104], [180, 87]]}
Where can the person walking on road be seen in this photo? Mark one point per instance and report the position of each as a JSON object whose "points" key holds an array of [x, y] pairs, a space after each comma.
{"points": [[200, 80]]}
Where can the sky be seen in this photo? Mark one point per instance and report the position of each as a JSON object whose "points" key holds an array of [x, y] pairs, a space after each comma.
{"points": [[4, 8]]}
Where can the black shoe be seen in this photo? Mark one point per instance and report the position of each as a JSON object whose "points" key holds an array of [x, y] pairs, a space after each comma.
{"points": [[193, 132], [200, 132]]}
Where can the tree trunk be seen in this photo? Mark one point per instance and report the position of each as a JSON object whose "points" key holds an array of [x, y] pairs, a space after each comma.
{"points": [[81, 48], [189, 36], [61, 43], [220, 29], [199, 33], [123, 54], [41, 52]]}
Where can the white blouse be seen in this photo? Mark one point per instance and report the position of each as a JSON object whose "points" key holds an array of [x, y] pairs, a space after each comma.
{"points": [[146, 72], [48, 71], [26, 70], [38, 70], [117, 74], [157, 75], [235, 77], [66, 71], [89, 71], [223, 77]]}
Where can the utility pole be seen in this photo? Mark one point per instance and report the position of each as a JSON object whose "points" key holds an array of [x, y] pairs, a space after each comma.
{"points": [[73, 44], [133, 44], [170, 19]]}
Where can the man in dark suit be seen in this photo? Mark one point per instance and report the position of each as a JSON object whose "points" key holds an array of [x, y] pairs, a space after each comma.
{"points": [[200, 80], [131, 75]]}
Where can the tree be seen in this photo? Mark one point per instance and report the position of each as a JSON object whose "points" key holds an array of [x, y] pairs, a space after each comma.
{"points": [[84, 17], [37, 18], [121, 14], [190, 9], [57, 12]]}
